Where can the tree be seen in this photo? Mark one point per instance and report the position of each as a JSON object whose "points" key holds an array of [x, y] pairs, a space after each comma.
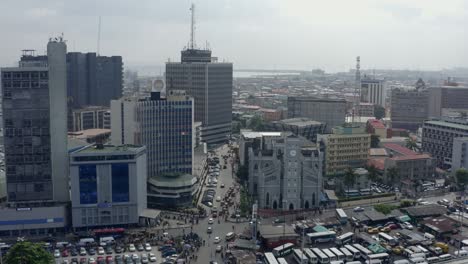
{"points": [[385, 208], [374, 141], [379, 112], [256, 123], [349, 178], [372, 173], [392, 175], [26, 253], [462, 177], [411, 144]]}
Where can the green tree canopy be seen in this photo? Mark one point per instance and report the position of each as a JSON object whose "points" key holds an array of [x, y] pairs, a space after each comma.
{"points": [[462, 177], [27, 253], [374, 141], [349, 178], [256, 123], [411, 144], [392, 174], [372, 173], [379, 112]]}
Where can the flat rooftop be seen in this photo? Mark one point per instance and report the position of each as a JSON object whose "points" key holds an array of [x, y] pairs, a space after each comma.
{"points": [[254, 134], [447, 124], [301, 122], [110, 149]]}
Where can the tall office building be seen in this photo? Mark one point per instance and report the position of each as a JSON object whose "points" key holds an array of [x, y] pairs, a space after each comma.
{"points": [[409, 108], [93, 80], [163, 125], [373, 91], [285, 172], [210, 84], [36, 157], [34, 115], [438, 138], [331, 112], [447, 98]]}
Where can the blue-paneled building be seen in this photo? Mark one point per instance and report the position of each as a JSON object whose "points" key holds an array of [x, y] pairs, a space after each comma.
{"points": [[108, 185]]}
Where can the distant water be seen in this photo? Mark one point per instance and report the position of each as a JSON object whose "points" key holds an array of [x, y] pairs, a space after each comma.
{"points": [[253, 74]]}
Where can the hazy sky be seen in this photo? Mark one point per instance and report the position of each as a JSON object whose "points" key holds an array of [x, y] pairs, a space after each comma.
{"points": [[293, 34]]}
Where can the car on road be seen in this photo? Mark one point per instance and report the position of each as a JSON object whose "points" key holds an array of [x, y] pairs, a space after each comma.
{"points": [[118, 249], [222, 185], [140, 247], [276, 221], [407, 225], [219, 248], [152, 257], [216, 240], [218, 199], [209, 230], [358, 209], [210, 221], [100, 251], [147, 247], [57, 253], [131, 248]]}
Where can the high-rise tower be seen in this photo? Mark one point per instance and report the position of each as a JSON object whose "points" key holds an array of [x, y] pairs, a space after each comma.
{"points": [[210, 84]]}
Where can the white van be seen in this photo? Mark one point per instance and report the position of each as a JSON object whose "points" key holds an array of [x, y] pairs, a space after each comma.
{"points": [[337, 262], [107, 240], [417, 260], [429, 236], [401, 261], [432, 260], [445, 257], [85, 241], [230, 236], [461, 253], [418, 255]]}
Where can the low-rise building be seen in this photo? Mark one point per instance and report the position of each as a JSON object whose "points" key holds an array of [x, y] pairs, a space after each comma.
{"points": [[89, 118], [376, 127], [304, 127], [270, 114], [285, 173], [365, 109], [172, 190], [108, 185], [348, 146]]}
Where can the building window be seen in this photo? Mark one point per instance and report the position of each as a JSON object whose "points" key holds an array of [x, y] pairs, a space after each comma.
{"points": [[88, 184], [120, 184]]}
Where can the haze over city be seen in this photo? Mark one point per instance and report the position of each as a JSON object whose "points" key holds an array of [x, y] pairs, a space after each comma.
{"points": [[267, 34]]}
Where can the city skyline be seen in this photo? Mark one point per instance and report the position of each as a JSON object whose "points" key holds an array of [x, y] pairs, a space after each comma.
{"points": [[300, 34]]}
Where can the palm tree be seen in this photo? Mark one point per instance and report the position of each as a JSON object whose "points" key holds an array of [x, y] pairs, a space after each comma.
{"points": [[372, 173], [349, 178], [392, 175], [411, 144]]}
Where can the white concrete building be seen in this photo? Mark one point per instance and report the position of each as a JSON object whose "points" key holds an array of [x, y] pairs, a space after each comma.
{"points": [[373, 91], [460, 153]]}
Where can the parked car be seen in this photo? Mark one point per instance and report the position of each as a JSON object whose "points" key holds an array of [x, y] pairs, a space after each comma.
{"points": [[57, 253], [131, 248], [407, 225], [100, 251], [358, 209], [216, 240], [152, 257], [147, 247]]}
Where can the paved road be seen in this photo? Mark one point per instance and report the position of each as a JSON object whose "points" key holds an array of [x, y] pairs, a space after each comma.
{"points": [[207, 253]]}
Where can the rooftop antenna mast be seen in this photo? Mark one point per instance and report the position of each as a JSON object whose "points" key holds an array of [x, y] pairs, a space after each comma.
{"points": [[357, 88], [99, 36], [192, 27]]}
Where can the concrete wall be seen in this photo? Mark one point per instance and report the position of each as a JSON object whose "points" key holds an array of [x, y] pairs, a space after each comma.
{"points": [[56, 52]]}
